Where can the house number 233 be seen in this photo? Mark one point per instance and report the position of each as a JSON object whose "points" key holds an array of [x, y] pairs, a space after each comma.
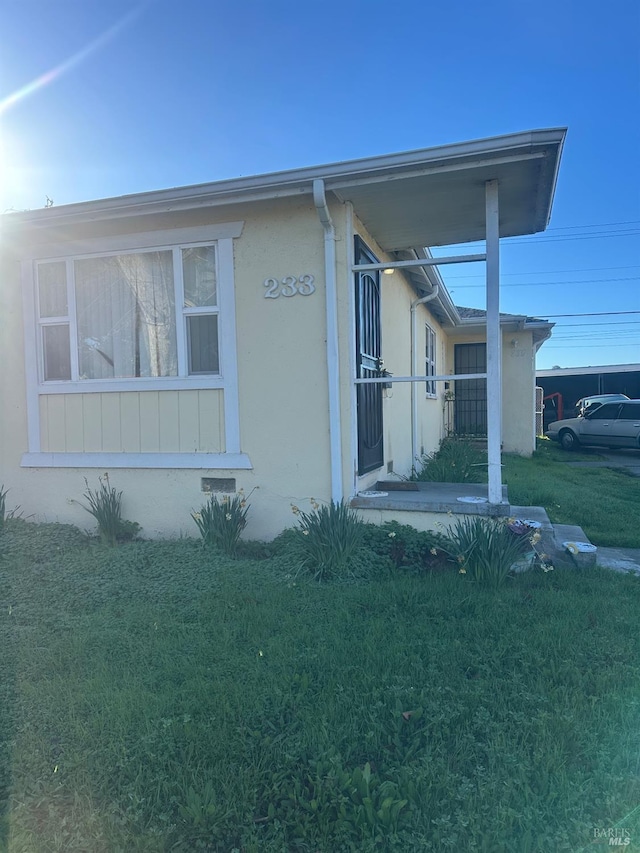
{"points": [[289, 286]]}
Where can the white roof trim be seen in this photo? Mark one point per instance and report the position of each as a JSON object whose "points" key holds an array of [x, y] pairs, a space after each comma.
{"points": [[337, 176]]}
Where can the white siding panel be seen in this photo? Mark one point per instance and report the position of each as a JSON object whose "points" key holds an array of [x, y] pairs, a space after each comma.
{"points": [[73, 423], [92, 422], [56, 424], [130, 422], [211, 420], [169, 421], [111, 418], [188, 420], [44, 423], [149, 422]]}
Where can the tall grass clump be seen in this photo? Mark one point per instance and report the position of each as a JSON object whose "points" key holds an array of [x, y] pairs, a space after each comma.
{"points": [[330, 535], [3, 506], [485, 549], [221, 521], [105, 505], [457, 461], [4, 513]]}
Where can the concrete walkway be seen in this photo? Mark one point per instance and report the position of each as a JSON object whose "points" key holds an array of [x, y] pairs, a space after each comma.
{"points": [[629, 460], [619, 559]]}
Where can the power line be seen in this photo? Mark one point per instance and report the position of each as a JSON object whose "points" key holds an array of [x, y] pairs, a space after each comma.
{"points": [[606, 324], [545, 272], [552, 238], [534, 238], [595, 314], [531, 239], [583, 346], [601, 339], [548, 283], [599, 225]]}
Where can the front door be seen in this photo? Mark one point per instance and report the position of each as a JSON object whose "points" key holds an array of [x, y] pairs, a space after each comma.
{"points": [[368, 362], [470, 408]]}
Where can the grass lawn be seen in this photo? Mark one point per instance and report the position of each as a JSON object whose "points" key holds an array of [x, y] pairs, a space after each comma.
{"points": [[603, 501], [156, 697]]}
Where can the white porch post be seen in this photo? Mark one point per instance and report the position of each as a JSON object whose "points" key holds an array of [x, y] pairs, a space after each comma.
{"points": [[494, 343]]}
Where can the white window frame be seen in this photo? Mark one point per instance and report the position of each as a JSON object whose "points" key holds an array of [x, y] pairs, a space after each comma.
{"points": [[227, 378], [430, 361]]}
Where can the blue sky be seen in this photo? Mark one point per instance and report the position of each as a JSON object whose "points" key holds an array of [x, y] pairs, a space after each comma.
{"points": [[165, 93]]}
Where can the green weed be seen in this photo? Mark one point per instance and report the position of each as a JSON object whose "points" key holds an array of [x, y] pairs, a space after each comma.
{"points": [[105, 505], [407, 547], [4, 512], [221, 521], [485, 549], [3, 506], [330, 536], [457, 461]]}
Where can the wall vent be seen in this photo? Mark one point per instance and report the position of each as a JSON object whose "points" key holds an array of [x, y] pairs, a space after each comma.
{"points": [[218, 484]]}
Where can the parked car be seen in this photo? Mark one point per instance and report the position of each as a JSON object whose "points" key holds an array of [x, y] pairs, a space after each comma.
{"points": [[607, 425], [596, 400]]}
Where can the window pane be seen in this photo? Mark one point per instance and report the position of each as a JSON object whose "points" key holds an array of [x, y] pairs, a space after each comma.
{"points": [[199, 271], [52, 289], [606, 412], [57, 358], [630, 412], [202, 333], [125, 307], [430, 359]]}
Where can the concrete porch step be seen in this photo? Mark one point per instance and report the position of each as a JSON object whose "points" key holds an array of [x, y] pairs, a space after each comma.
{"points": [[555, 535], [454, 498], [429, 506]]}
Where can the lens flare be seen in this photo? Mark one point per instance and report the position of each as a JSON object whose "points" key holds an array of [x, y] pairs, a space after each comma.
{"points": [[76, 59]]}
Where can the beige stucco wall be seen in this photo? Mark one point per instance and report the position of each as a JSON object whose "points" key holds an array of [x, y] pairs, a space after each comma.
{"points": [[282, 384], [282, 373], [518, 393], [431, 417]]}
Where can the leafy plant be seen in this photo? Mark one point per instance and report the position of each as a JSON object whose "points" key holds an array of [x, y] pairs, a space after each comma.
{"points": [[485, 549], [457, 461], [407, 547], [330, 536], [105, 505], [221, 521], [324, 802]]}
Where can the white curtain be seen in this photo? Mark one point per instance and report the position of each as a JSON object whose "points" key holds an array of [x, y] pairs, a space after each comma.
{"points": [[125, 306]]}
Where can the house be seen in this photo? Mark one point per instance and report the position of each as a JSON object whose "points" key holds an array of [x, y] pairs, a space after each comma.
{"points": [[288, 333]]}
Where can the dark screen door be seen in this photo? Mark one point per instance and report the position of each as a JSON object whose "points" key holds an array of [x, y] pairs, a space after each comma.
{"points": [[368, 362], [471, 394]]}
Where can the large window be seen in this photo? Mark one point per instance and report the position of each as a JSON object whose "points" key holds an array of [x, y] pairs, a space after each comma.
{"points": [[430, 360], [140, 314]]}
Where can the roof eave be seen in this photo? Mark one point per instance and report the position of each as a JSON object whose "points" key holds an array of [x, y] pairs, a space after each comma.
{"points": [[300, 181]]}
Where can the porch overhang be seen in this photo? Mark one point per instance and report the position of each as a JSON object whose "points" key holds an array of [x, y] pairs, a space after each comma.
{"points": [[436, 197]]}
